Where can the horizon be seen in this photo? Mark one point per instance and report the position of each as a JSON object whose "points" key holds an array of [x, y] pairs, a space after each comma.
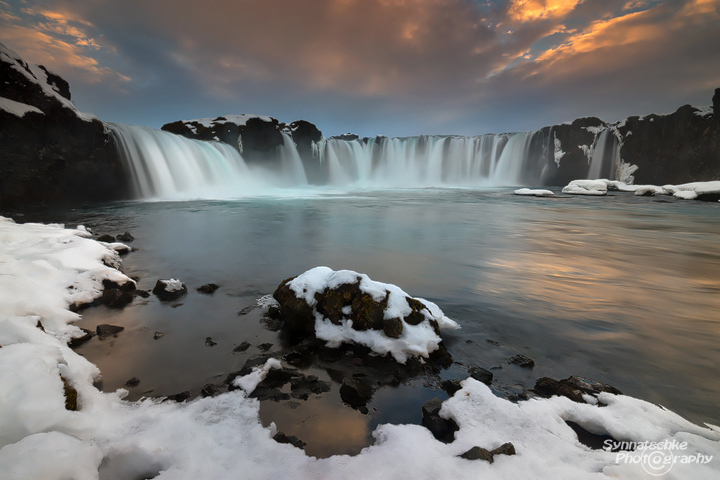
{"points": [[379, 67]]}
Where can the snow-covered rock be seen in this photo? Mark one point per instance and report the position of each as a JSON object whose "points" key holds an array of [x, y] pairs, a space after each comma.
{"points": [[535, 192], [586, 187], [346, 306]]}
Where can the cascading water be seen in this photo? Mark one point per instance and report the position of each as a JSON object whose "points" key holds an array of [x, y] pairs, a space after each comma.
{"points": [[167, 166]]}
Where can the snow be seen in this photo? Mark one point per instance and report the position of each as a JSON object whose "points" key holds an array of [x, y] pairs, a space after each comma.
{"points": [[37, 75], [690, 191], [535, 192], [595, 130], [250, 382], [704, 111], [173, 285], [419, 340], [17, 108], [586, 187], [624, 171], [222, 437], [558, 150], [239, 120]]}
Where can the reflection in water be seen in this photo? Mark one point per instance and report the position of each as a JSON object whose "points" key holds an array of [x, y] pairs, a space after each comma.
{"points": [[621, 289]]}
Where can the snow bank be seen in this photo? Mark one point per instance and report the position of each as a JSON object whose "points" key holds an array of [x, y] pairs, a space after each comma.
{"points": [[586, 187], [418, 339], [690, 191], [536, 192], [222, 437]]}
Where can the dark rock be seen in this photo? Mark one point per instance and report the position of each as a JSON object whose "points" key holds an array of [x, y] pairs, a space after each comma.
{"points": [[348, 137], [176, 305], [115, 298], [142, 293], [716, 105], [481, 375], [105, 330], [367, 313], [280, 437], [393, 327], [77, 341], [133, 382], [208, 289], [210, 390], [504, 449], [264, 393], [296, 313], [246, 310], [522, 361], [303, 387], [179, 397], [451, 386], [157, 335], [241, 348], [125, 237], [167, 293], [209, 342], [264, 347], [572, 387], [477, 453], [356, 392], [332, 301], [71, 396], [443, 429], [106, 238], [123, 287]]}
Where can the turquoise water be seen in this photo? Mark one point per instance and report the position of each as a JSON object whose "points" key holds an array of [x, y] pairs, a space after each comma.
{"points": [[621, 289]]}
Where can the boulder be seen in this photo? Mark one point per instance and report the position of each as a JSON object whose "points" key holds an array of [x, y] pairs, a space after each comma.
{"points": [[522, 361], [481, 375], [573, 387], [356, 392], [170, 289], [106, 330], [125, 237], [208, 289]]}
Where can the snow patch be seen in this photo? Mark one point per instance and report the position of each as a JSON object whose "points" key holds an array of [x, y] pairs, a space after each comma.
{"points": [[704, 111], [559, 154], [16, 108], [536, 192], [586, 187]]}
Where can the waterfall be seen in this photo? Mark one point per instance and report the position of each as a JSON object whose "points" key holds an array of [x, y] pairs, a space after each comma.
{"points": [[603, 156], [167, 166]]}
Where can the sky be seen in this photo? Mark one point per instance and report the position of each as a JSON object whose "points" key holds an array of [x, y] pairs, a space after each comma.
{"points": [[390, 67]]}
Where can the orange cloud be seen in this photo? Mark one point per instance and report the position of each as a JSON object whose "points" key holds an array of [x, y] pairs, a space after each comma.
{"points": [[532, 10]]}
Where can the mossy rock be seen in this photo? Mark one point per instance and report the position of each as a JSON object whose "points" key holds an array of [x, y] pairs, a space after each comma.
{"points": [[331, 302], [367, 313], [71, 394]]}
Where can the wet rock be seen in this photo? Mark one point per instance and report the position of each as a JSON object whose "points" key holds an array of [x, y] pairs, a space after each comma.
{"points": [[208, 289], [296, 313], [481, 375], [443, 429], [179, 397], [170, 289], [264, 347], [272, 324], [71, 396], [522, 361], [129, 286], [106, 238], [176, 305], [158, 335], [142, 293], [133, 382], [115, 298], [264, 393], [241, 348], [106, 330], [356, 392], [77, 341], [572, 387], [210, 390], [451, 386], [280, 437], [303, 387], [125, 237], [209, 342]]}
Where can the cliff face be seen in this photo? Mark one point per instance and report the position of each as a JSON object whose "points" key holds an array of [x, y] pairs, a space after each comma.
{"points": [[49, 151]]}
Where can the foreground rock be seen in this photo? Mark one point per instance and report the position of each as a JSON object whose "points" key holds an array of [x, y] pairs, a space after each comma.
{"points": [[442, 428], [169, 290], [347, 306]]}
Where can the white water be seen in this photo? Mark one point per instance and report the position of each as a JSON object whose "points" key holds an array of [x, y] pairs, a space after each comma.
{"points": [[603, 155], [167, 166]]}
